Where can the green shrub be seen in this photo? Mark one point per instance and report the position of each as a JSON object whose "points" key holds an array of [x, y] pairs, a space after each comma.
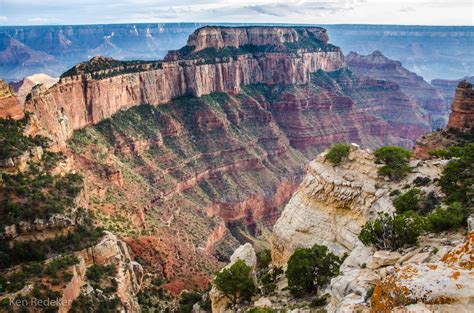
{"points": [[310, 269], [408, 201], [395, 160], [267, 279], [429, 203], [318, 302], [12, 140], [421, 181], [59, 264], [187, 300], [236, 282], [337, 153], [395, 192], [264, 258], [388, 232], [96, 272], [445, 219], [457, 179]]}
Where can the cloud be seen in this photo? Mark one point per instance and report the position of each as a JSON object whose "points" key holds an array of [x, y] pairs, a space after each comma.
{"points": [[3, 18], [246, 11]]}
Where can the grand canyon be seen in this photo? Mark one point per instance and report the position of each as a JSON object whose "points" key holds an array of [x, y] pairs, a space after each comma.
{"points": [[141, 163]]}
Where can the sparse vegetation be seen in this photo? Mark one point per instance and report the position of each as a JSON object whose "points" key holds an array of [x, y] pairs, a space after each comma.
{"points": [[13, 142], [395, 160], [35, 193], [264, 258], [59, 264], [311, 269], [96, 272], [337, 153], [457, 180], [391, 232], [445, 219], [187, 300], [408, 201]]}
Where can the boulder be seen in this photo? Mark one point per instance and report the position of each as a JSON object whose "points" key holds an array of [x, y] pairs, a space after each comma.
{"points": [[383, 258], [262, 303]]}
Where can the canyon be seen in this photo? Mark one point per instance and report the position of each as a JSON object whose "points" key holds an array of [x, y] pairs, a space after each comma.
{"points": [[185, 159], [214, 138]]}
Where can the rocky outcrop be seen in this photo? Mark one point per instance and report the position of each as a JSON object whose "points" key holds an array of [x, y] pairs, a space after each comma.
{"points": [[462, 115], [443, 286], [330, 206], [376, 65], [461, 121], [9, 105], [108, 251]]}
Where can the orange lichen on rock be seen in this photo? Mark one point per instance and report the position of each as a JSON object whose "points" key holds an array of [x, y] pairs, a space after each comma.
{"points": [[442, 283], [463, 256], [388, 295]]}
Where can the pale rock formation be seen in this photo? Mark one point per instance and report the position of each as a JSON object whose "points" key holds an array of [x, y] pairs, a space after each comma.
{"points": [[442, 286], [23, 87], [262, 303], [383, 258], [245, 253], [330, 206]]}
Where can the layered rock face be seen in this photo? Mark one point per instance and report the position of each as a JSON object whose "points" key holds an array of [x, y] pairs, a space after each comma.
{"points": [[330, 206], [108, 251], [220, 37], [95, 90], [461, 121], [462, 115], [9, 105], [376, 65]]}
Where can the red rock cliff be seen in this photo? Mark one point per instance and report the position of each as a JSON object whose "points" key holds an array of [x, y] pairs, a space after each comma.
{"points": [[95, 90], [220, 37]]}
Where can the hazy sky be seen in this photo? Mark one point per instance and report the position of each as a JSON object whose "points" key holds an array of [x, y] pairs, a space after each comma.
{"points": [[420, 12]]}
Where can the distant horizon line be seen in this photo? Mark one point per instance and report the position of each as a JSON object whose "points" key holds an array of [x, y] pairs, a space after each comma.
{"points": [[236, 23]]}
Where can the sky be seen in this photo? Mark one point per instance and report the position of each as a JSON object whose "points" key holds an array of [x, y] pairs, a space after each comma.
{"points": [[404, 12]]}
